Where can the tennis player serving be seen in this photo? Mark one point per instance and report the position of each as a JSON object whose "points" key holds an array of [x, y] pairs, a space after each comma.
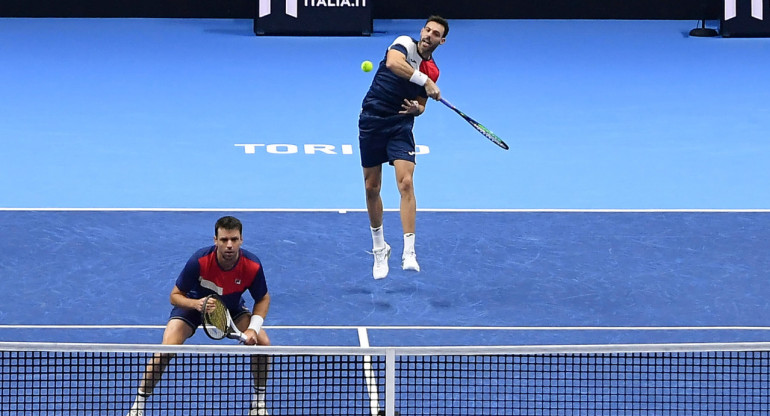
{"points": [[226, 270], [404, 80]]}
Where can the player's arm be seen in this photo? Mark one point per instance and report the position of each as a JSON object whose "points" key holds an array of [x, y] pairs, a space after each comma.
{"points": [[258, 315], [396, 62], [185, 283], [261, 307], [180, 299]]}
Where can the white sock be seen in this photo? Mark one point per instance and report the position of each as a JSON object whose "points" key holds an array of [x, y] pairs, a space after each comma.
{"points": [[378, 237], [139, 401], [409, 243], [259, 394]]}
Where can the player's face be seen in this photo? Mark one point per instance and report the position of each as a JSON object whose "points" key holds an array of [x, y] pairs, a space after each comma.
{"points": [[431, 36], [228, 244]]}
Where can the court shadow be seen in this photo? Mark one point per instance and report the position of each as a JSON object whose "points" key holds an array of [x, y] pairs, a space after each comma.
{"points": [[380, 305], [355, 290], [441, 303]]}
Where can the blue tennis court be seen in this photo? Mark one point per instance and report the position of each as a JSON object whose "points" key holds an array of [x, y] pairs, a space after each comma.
{"points": [[632, 206]]}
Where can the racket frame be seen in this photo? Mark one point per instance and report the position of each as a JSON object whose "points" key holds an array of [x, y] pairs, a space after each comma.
{"points": [[492, 137], [231, 331]]}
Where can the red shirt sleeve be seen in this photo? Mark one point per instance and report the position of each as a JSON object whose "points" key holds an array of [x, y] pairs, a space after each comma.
{"points": [[430, 69]]}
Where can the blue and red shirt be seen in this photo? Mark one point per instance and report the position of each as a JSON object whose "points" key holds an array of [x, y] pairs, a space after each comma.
{"points": [[203, 276], [388, 90]]}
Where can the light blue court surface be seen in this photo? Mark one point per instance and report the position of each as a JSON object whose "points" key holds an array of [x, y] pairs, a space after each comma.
{"points": [[143, 113], [632, 206]]}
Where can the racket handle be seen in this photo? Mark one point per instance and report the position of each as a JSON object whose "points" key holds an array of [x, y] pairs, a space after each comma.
{"points": [[242, 337]]}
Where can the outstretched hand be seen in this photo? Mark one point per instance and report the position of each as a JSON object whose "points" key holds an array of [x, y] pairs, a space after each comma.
{"points": [[410, 107]]}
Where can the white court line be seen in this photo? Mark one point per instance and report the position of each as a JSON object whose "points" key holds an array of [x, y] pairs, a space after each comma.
{"points": [[448, 328], [344, 210], [371, 381]]}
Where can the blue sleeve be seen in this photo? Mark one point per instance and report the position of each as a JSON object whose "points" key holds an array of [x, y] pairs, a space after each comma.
{"points": [[188, 278], [399, 47], [258, 288]]}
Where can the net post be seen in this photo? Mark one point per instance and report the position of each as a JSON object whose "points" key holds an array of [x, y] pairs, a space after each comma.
{"points": [[390, 382]]}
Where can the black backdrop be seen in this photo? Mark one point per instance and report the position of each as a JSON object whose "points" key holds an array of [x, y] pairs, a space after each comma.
{"points": [[382, 9]]}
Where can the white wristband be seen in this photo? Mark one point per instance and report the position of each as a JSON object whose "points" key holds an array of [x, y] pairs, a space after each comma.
{"points": [[256, 323], [418, 78]]}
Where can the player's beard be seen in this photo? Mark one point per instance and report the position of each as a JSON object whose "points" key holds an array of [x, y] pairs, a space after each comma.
{"points": [[425, 48], [228, 258]]}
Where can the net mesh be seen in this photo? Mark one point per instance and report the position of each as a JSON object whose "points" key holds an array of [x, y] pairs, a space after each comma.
{"points": [[474, 382], [666, 383]]}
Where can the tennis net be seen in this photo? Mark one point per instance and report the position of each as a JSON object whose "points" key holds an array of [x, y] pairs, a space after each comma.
{"points": [[643, 379]]}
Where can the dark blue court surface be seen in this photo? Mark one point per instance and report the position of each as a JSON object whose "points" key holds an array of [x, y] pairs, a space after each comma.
{"points": [[177, 122], [694, 271]]}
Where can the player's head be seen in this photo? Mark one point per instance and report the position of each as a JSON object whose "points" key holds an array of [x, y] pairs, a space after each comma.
{"points": [[441, 21], [432, 35], [228, 223], [228, 238]]}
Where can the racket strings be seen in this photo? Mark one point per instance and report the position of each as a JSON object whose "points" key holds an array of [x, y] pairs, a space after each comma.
{"points": [[489, 135], [476, 125], [216, 320]]}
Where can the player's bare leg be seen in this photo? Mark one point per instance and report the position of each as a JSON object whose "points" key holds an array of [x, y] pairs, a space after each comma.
{"points": [[260, 367], [380, 249], [176, 332], [408, 208], [373, 184]]}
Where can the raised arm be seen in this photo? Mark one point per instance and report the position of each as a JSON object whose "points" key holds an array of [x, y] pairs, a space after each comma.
{"points": [[396, 62]]}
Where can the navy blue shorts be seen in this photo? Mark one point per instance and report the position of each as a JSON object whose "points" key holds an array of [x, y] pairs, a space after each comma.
{"points": [[194, 319], [385, 139]]}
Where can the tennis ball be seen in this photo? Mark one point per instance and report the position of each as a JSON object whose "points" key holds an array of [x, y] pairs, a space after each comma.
{"points": [[366, 66]]}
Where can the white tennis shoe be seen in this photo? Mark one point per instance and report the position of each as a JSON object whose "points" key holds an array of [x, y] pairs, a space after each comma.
{"points": [[381, 256], [136, 411], [258, 408], [409, 261]]}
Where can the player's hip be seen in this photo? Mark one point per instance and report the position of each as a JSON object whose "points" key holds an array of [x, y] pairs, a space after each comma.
{"points": [[375, 126]]}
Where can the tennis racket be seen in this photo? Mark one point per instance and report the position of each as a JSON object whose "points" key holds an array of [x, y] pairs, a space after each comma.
{"points": [[478, 126], [217, 322]]}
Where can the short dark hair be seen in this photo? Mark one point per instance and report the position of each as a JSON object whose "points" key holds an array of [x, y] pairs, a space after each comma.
{"points": [[440, 20], [228, 223]]}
